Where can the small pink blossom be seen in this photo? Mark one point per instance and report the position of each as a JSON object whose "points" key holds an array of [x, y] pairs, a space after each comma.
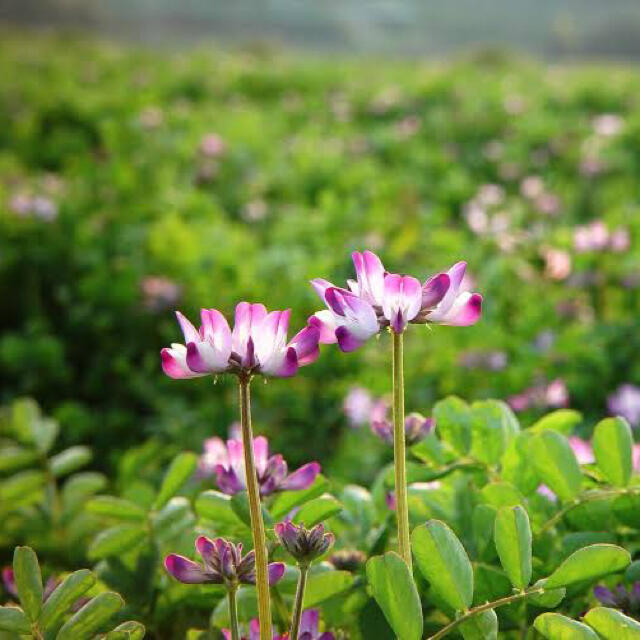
{"points": [[582, 450], [608, 124], [625, 402], [557, 264], [159, 292], [212, 145]]}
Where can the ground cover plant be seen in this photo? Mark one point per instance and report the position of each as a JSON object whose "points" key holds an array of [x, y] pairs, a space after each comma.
{"points": [[315, 507]]}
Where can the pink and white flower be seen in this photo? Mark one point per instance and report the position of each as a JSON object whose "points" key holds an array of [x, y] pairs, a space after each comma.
{"points": [[378, 299], [257, 344], [625, 402], [226, 462]]}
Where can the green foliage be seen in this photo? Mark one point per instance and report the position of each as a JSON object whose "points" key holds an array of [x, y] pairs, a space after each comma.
{"points": [[61, 614], [513, 542], [612, 444], [395, 592]]}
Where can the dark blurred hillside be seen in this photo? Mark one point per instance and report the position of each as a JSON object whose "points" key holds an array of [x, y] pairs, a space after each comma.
{"points": [[553, 28]]}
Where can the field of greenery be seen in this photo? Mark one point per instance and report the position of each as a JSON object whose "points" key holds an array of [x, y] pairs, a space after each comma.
{"points": [[135, 182]]}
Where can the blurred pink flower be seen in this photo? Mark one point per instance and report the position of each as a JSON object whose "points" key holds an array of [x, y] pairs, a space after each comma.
{"points": [[159, 293], [490, 195], [212, 145], [591, 237], [532, 187], [557, 264], [547, 203], [554, 394], [607, 124], [620, 240], [625, 402], [20, 204], [544, 490], [582, 450]]}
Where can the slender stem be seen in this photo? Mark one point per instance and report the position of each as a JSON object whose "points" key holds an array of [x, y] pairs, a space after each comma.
{"points": [[484, 607], [589, 496], [399, 453], [233, 614], [297, 607], [257, 525]]}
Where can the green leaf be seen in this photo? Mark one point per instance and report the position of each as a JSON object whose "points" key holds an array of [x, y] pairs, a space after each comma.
{"points": [[80, 486], [92, 617], [62, 598], [240, 506], [395, 592], [13, 620], [589, 563], [482, 525], [116, 540], [173, 519], [612, 446], [453, 417], [632, 573], [13, 490], [513, 543], [13, 457], [288, 500], [324, 585], [28, 579], [482, 626], [131, 630], [554, 626], [492, 429], [70, 460], [501, 494], [626, 508], [612, 624], [556, 464], [444, 563], [549, 599], [516, 467], [216, 506], [116, 508], [317, 510], [179, 471], [358, 507], [562, 420]]}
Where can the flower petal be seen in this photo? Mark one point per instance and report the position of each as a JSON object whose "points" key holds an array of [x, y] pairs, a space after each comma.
{"points": [[310, 621], [320, 285], [203, 358], [247, 316], [185, 570], [289, 366], [174, 363], [275, 571], [261, 454], [188, 330], [305, 342], [370, 273], [325, 322], [301, 478], [347, 341], [455, 273], [434, 290], [402, 300], [215, 329], [465, 311]]}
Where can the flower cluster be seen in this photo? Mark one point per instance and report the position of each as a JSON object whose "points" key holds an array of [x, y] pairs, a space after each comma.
{"points": [[620, 597], [305, 545], [416, 428], [555, 394], [257, 345], [361, 408], [226, 462], [309, 629], [378, 299], [223, 564]]}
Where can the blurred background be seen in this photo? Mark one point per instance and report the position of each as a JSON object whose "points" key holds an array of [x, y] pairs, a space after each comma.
{"points": [[162, 155]]}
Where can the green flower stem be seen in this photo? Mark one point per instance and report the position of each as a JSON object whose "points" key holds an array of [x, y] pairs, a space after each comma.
{"points": [[587, 496], [399, 453], [297, 607], [484, 607], [257, 524], [233, 613]]}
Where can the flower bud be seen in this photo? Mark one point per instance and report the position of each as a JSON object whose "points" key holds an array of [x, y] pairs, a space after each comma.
{"points": [[305, 545], [348, 559]]}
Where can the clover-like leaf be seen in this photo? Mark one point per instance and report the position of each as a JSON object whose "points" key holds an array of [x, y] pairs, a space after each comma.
{"points": [[26, 571], [395, 592], [443, 561], [612, 446], [513, 543], [589, 563]]}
